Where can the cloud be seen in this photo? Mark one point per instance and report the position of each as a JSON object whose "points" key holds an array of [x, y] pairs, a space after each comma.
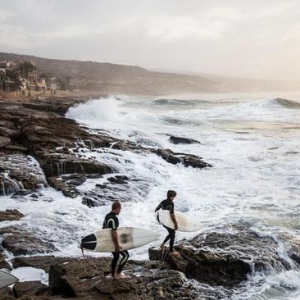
{"points": [[180, 28], [231, 37]]}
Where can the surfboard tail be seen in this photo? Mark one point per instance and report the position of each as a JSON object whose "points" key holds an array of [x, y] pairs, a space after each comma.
{"points": [[7, 279], [89, 242]]}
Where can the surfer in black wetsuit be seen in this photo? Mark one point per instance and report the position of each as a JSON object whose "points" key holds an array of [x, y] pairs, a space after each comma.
{"points": [[111, 221], [168, 204]]}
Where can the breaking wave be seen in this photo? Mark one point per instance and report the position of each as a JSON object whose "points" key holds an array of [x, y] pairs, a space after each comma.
{"points": [[292, 104]]}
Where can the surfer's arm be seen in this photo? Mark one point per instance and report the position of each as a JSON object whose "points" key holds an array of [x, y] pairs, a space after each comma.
{"points": [[174, 220], [115, 238], [158, 207]]}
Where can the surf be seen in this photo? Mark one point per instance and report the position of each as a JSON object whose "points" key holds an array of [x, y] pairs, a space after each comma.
{"points": [[254, 179]]}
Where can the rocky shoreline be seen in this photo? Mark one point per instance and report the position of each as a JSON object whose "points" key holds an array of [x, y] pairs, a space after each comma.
{"points": [[40, 147], [39, 128]]}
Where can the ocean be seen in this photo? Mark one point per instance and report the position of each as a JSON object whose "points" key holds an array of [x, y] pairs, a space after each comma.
{"points": [[250, 139]]}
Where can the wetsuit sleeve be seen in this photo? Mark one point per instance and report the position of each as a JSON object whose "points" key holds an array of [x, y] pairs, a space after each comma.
{"points": [[112, 223], [172, 208], [158, 207]]}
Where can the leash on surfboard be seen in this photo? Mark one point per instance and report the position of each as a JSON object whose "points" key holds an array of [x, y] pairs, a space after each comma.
{"points": [[82, 251], [164, 254]]}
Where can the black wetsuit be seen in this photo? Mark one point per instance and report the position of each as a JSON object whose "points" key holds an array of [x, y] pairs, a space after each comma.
{"points": [[168, 205], [111, 221]]}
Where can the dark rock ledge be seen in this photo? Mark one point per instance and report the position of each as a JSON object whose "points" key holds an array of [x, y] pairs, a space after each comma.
{"points": [[38, 128]]}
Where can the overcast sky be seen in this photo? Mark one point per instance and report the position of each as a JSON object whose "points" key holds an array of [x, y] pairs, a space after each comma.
{"points": [[248, 38]]}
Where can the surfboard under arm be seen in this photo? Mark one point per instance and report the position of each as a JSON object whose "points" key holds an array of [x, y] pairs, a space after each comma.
{"points": [[129, 238], [184, 222]]}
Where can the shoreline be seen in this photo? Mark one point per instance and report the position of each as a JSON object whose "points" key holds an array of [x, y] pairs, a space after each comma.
{"points": [[59, 94]]}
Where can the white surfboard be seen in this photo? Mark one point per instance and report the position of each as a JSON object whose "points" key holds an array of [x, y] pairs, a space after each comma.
{"points": [[184, 222], [129, 238], [6, 279]]}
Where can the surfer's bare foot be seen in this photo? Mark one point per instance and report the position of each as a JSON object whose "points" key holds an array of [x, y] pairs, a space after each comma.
{"points": [[174, 252], [162, 246], [120, 275]]}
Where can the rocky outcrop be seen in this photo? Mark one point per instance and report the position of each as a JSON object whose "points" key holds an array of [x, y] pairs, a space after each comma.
{"points": [[19, 171], [20, 242], [225, 259], [55, 144], [182, 140], [10, 215], [33, 288], [188, 160]]}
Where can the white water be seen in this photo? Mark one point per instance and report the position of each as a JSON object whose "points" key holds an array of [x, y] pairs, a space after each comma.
{"points": [[251, 140]]}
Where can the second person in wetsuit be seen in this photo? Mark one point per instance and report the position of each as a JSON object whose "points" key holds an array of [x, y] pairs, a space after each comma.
{"points": [[168, 204]]}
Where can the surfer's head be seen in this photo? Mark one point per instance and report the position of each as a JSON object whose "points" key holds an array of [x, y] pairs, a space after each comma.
{"points": [[116, 207], [171, 194]]}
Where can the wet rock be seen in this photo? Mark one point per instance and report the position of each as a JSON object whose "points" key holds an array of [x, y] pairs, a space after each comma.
{"points": [[30, 288], [21, 192], [90, 202], [19, 171], [6, 294], [181, 140], [67, 190], [225, 259], [39, 262], [56, 105], [147, 280], [292, 244], [3, 263], [74, 179], [296, 257], [67, 164], [20, 242], [10, 215], [115, 188], [17, 148], [118, 179], [188, 160], [4, 141]]}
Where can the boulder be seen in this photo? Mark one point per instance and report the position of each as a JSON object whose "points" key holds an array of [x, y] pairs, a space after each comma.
{"points": [[4, 141], [20, 242], [188, 160], [7, 294], [10, 215], [3, 263], [146, 280], [182, 140], [38, 262], [19, 171], [30, 288], [225, 258]]}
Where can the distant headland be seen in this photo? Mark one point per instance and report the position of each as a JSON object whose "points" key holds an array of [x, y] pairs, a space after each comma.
{"points": [[88, 77]]}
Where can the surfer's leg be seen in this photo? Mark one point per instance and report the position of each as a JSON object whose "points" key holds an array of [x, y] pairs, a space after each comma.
{"points": [[114, 262], [172, 239], [125, 256], [167, 237]]}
